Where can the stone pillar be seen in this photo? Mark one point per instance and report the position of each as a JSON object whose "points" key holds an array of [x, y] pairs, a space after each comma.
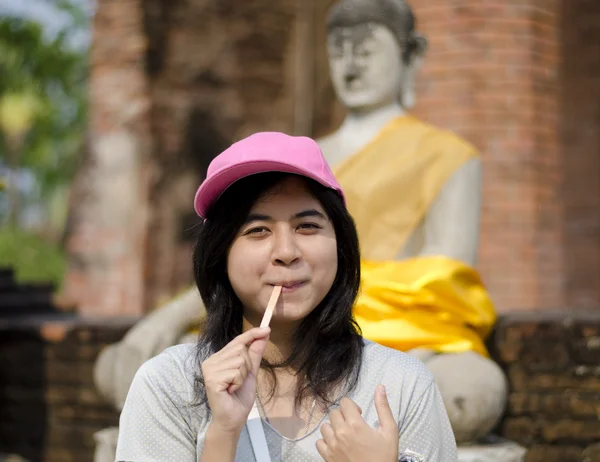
{"points": [[491, 75], [109, 214]]}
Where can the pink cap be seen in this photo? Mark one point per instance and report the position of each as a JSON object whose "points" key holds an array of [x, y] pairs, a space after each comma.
{"points": [[260, 153]]}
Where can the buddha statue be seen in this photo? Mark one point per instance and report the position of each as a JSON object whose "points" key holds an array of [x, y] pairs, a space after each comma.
{"points": [[414, 191]]}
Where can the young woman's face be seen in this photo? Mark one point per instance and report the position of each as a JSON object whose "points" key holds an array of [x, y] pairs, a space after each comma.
{"points": [[287, 240]]}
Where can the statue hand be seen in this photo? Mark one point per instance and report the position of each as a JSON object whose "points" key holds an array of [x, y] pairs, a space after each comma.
{"points": [[348, 438], [230, 379]]}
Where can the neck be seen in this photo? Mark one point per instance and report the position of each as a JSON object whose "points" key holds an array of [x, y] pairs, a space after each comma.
{"points": [[376, 117], [280, 345]]}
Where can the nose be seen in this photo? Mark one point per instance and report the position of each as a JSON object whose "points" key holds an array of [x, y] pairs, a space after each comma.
{"points": [[285, 249], [352, 72]]}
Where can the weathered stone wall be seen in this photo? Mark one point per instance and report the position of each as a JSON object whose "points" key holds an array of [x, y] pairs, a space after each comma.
{"points": [[49, 409], [553, 363]]}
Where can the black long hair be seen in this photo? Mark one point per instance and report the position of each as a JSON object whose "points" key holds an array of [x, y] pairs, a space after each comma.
{"points": [[327, 345]]}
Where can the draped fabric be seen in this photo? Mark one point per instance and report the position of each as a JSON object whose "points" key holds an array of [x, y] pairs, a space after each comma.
{"points": [[431, 302]]}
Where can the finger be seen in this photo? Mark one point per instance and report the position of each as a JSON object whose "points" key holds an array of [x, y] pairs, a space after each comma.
{"points": [[256, 351], [222, 380], [236, 363], [324, 450], [244, 369], [384, 412], [246, 338], [236, 351], [351, 411], [328, 434], [336, 419]]}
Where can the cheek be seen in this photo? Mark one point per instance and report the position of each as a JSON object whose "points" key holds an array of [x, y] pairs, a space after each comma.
{"points": [[328, 264], [337, 70], [243, 270]]}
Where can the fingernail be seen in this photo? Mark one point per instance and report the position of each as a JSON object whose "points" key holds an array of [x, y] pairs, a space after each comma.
{"points": [[381, 389]]}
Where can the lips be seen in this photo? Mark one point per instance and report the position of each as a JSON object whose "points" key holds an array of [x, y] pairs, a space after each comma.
{"points": [[290, 286]]}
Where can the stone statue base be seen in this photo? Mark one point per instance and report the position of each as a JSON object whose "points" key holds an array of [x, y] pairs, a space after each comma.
{"points": [[106, 444], [493, 449]]}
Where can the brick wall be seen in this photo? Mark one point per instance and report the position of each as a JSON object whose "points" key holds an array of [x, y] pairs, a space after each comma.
{"points": [[109, 213], [49, 409], [580, 105], [491, 75], [553, 363]]}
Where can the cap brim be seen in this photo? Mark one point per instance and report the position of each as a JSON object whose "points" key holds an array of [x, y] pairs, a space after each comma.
{"points": [[212, 188]]}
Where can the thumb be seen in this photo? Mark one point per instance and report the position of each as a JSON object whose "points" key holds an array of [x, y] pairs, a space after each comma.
{"points": [[256, 351], [386, 418]]}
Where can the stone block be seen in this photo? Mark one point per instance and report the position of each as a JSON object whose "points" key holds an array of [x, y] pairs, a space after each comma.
{"points": [[553, 453], [567, 402], [498, 450], [570, 430], [523, 430], [592, 453]]}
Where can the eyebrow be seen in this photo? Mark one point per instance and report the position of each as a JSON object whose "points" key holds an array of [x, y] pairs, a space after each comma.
{"points": [[304, 214]]}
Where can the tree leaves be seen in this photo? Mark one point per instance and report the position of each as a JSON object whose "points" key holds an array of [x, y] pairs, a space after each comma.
{"points": [[48, 79]]}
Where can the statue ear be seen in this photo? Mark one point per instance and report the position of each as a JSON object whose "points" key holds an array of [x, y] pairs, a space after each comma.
{"points": [[420, 45], [408, 97]]}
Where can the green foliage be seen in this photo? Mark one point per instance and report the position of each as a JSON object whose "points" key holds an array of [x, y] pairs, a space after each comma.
{"points": [[32, 258], [55, 76]]}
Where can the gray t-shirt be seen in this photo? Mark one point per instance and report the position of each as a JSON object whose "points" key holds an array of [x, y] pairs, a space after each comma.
{"points": [[158, 423]]}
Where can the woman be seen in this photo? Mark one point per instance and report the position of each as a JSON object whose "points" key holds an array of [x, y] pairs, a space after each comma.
{"points": [[274, 215]]}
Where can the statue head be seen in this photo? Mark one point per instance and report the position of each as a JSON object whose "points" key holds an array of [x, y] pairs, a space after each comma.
{"points": [[374, 52]]}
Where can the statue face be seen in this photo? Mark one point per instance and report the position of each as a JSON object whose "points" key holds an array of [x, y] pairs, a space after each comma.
{"points": [[366, 65]]}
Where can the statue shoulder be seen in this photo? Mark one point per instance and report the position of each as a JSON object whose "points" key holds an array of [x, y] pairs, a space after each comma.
{"points": [[445, 138]]}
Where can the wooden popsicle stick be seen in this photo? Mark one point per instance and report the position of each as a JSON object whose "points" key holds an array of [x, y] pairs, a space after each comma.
{"points": [[270, 307]]}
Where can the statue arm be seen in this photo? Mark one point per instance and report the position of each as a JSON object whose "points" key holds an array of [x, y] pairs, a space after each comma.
{"points": [[452, 223], [162, 327], [117, 364]]}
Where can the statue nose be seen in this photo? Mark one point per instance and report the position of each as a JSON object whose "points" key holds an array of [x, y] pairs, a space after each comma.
{"points": [[351, 77], [352, 72]]}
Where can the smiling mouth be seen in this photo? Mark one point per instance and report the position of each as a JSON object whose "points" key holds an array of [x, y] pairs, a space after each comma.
{"points": [[290, 286]]}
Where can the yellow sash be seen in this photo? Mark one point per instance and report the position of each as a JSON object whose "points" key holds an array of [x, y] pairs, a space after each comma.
{"points": [[431, 302], [391, 184]]}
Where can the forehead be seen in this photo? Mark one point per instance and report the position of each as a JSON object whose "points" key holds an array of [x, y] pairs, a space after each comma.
{"points": [[354, 34], [361, 33], [288, 195]]}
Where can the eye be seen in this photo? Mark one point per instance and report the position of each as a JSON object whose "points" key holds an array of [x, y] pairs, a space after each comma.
{"points": [[309, 226], [362, 52], [336, 53], [256, 231]]}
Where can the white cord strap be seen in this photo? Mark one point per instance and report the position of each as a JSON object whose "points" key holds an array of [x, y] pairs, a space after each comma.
{"points": [[257, 435]]}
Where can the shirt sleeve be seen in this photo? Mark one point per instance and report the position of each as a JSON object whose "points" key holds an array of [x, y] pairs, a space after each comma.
{"points": [[154, 424], [426, 434]]}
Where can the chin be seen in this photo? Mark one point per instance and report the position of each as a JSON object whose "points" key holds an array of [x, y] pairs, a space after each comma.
{"points": [[359, 100], [292, 313]]}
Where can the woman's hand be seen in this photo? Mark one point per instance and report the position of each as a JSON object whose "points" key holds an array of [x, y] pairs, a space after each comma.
{"points": [[348, 438], [230, 379]]}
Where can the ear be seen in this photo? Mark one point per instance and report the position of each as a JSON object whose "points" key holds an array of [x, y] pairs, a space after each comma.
{"points": [[407, 93], [407, 96], [420, 45]]}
